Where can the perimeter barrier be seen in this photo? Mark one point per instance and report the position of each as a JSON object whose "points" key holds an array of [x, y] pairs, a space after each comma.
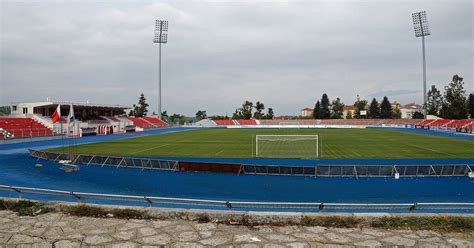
{"points": [[241, 205], [321, 170]]}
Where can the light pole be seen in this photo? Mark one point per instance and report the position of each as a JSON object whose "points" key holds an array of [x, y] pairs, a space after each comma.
{"points": [[422, 29], [161, 36]]}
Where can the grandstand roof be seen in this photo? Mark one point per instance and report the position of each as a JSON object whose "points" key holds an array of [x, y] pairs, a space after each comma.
{"points": [[348, 107], [75, 104]]}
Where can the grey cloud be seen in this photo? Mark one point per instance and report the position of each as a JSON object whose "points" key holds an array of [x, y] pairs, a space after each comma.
{"points": [[221, 53]]}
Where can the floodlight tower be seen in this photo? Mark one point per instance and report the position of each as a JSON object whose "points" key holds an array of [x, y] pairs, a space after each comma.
{"points": [[422, 29], [161, 36]]}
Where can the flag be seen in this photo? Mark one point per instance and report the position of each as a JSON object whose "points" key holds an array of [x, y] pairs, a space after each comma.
{"points": [[70, 117], [57, 114]]}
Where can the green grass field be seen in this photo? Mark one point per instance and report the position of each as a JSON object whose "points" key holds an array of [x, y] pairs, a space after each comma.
{"points": [[337, 143]]}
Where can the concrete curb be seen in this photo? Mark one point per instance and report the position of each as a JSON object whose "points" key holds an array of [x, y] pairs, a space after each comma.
{"points": [[232, 216]]}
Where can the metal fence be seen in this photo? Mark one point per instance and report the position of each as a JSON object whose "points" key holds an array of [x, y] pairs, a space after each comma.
{"points": [[113, 161], [170, 201], [421, 170], [362, 170]]}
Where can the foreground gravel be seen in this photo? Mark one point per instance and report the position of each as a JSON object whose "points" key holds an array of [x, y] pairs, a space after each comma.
{"points": [[61, 230]]}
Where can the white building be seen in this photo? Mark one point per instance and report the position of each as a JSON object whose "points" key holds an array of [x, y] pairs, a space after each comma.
{"points": [[307, 112], [409, 109]]}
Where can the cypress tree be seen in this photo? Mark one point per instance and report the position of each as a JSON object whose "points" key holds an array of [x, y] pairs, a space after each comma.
{"points": [[386, 109], [374, 109], [317, 110], [325, 113], [142, 106], [471, 105]]}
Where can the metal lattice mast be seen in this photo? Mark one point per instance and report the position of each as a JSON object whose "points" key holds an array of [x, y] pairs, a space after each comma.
{"points": [[422, 29], [161, 36]]}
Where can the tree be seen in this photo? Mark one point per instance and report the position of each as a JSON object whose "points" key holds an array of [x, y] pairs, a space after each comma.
{"points": [[325, 113], [471, 105], [434, 101], [349, 115], [176, 118], [317, 110], [201, 114], [237, 114], [374, 109], [132, 111], [418, 115], [245, 112], [5, 110], [135, 111], [360, 105], [455, 99], [259, 107], [164, 114], [269, 114], [337, 109], [142, 106], [386, 111], [247, 107], [397, 114]]}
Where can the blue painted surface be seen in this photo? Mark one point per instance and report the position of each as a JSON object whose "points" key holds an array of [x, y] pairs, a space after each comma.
{"points": [[17, 168]]}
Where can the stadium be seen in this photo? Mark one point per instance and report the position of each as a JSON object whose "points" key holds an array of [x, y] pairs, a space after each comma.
{"points": [[305, 164], [361, 157]]}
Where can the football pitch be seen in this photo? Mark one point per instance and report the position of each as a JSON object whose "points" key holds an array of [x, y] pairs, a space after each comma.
{"points": [[240, 143]]}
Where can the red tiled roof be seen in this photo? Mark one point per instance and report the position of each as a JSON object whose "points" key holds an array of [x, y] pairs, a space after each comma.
{"points": [[348, 108]]}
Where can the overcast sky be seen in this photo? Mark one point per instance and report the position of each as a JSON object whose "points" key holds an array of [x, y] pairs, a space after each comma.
{"points": [[224, 52]]}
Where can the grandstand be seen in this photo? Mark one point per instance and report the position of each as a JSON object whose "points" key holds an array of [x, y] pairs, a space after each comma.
{"points": [[23, 127], [33, 119], [463, 126], [311, 122]]}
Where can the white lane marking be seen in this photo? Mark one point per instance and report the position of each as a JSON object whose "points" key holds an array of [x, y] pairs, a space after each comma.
{"points": [[149, 149]]}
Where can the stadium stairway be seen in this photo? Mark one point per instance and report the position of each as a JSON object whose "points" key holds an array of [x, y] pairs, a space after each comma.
{"points": [[46, 121]]}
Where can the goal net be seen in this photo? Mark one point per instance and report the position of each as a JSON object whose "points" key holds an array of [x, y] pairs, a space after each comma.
{"points": [[287, 146]]}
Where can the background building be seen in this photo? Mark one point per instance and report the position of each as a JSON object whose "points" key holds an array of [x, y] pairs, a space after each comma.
{"points": [[409, 109], [307, 112]]}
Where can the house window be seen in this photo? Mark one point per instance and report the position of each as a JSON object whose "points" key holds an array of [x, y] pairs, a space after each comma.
{"points": [[25, 110], [14, 108]]}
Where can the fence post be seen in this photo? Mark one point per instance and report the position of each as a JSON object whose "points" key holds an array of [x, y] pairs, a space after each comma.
{"points": [[148, 200], [18, 191], [75, 196]]}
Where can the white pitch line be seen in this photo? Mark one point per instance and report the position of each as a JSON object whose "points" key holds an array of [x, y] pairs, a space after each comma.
{"points": [[433, 150], [217, 153], [149, 149]]}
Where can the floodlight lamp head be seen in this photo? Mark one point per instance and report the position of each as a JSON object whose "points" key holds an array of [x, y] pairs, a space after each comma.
{"points": [[420, 23], [163, 38], [161, 27]]}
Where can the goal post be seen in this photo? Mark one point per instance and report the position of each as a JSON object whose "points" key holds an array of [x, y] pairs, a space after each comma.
{"points": [[287, 146]]}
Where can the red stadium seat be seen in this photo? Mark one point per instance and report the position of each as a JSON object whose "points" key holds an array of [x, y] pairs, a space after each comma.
{"points": [[224, 122], [148, 122], [24, 127], [247, 122]]}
